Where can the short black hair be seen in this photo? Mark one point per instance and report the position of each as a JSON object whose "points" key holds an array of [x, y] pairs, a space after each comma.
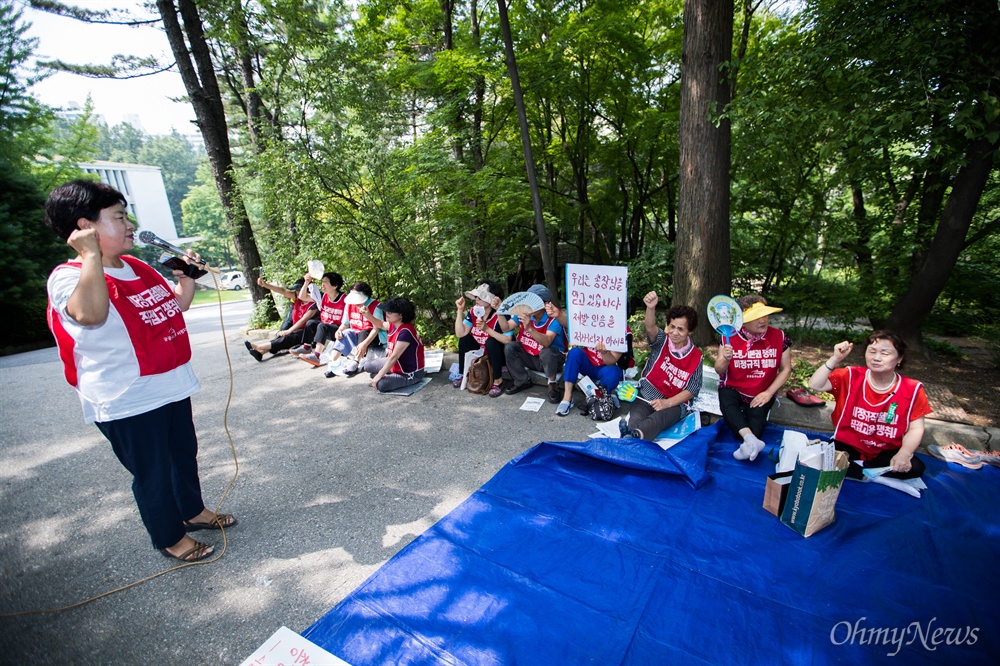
{"points": [[893, 339], [76, 199], [684, 312], [336, 279], [401, 305], [362, 288]]}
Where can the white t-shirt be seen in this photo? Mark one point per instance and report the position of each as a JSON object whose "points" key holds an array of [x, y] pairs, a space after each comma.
{"points": [[109, 385]]}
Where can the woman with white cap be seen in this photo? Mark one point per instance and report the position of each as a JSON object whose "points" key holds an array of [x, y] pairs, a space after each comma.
{"points": [[480, 329], [752, 368]]}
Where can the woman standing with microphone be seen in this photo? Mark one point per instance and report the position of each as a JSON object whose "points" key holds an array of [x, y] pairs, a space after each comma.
{"points": [[125, 349]]}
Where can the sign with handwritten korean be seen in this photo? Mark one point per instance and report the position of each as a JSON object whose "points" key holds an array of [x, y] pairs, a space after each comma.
{"points": [[287, 648], [597, 305]]}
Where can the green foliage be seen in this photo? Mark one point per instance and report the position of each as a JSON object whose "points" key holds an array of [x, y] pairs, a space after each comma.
{"points": [[262, 315], [811, 301], [204, 216], [943, 348]]}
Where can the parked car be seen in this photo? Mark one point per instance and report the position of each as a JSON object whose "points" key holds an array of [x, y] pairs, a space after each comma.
{"points": [[233, 280]]}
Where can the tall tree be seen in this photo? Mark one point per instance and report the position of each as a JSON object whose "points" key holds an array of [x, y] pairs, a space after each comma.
{"points": [[194, 62], [702, 263], [529, 160]]}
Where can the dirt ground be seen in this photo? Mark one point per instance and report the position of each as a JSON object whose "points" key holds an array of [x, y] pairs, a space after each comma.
{"points": [[973, 379]]}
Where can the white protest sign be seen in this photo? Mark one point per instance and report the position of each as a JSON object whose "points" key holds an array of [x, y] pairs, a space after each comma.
{"points": [[596, 305], [287, 647]]}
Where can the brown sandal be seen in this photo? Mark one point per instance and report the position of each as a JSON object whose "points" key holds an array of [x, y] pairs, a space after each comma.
{"points": [[227, 519], [197, 552]]}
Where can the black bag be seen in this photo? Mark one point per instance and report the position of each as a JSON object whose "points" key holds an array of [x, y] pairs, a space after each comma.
{"points": [[480, 376], [601, 406]]}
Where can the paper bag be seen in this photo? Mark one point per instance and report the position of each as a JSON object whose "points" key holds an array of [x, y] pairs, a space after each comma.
{"points": [[776, 492], [812, 494]]}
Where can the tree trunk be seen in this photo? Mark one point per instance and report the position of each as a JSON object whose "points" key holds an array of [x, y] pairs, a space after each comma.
{"points": [[911, 310], [198, 73], [702, 265], [529, 160]]}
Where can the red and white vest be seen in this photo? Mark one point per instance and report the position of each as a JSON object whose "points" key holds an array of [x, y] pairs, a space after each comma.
{"points": [[330, 312], [874, 427], [668, 374], [754, 366], [481, 336], [358, 321], [527, 342], [418, 352], [154, 339]]}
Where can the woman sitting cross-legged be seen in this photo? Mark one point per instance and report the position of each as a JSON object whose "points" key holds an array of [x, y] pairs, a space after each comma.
{"points": [[879, 414], [403, 363], [672, 375]]}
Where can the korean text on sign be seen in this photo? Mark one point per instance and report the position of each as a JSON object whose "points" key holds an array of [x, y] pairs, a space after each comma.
{"points": [[597, 305]]}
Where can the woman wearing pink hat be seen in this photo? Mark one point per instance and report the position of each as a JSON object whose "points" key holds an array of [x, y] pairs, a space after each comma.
{"points": [[752, 368]]}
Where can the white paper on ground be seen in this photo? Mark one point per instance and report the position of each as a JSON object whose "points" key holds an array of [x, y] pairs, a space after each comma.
{"points": [[433, 360], [287, 647], [532, 404], [608, 429]]}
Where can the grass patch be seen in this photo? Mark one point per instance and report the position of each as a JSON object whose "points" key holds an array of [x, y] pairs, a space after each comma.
{"points": [[211, 296]]}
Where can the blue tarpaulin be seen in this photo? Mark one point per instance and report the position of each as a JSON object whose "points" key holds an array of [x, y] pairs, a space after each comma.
{"points": [[616, 552]]}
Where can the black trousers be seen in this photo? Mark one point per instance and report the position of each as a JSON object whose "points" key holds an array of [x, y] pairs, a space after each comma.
{"points": [[883, 459], [739, 414], [160, 449]]}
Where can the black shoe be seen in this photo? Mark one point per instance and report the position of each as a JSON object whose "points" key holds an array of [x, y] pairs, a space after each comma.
{"points": [[555, 393], [329, 374], [517, 388], [253, 352]]}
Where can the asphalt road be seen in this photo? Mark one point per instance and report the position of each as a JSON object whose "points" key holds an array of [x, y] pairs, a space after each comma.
{"points": [[333, 480]]}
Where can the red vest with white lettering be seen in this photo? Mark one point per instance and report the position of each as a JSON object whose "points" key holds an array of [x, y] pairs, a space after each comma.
{"points": [[874, 427], [526, 340], [418, 353], [152, 317], [754, 366], [358, 321], [330, 312], [481, 336], [668, 374]]}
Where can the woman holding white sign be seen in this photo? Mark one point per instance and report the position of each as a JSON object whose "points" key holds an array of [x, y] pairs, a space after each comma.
{"points": [[672, 375]]}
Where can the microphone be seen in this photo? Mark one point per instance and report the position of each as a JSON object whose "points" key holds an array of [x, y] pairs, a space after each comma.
{"points": [[149, 238]]}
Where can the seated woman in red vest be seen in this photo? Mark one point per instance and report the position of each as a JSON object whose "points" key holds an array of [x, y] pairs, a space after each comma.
{"points": [[332, 305], [672, 375], [126, 350], [480, 329], [403, 363], [752, 368], [879, 414], [301, 314]]}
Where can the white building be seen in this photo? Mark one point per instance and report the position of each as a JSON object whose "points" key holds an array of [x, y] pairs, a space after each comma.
{"points": [[143, 189]]}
